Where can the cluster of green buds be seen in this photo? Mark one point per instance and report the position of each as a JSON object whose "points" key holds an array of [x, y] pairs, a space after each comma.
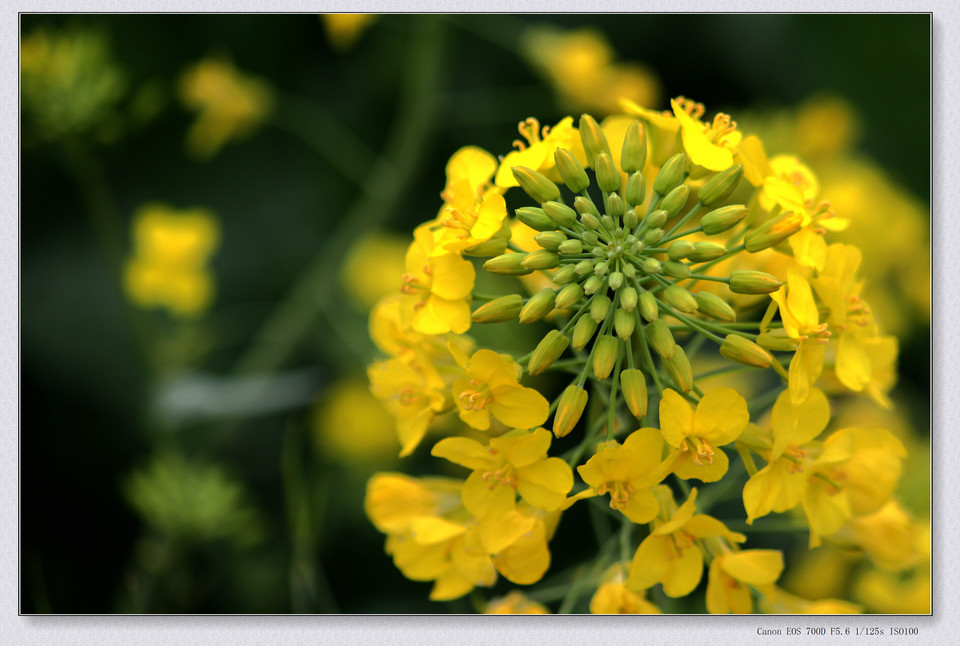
{"points": [[623, 262]]}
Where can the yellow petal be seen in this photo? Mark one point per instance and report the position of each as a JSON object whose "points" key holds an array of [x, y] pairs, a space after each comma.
{"points": [[466, 452], [773, 488], [797, 424], [527, 559], [499, 532], [852, 363], [700, 149], [721, 416], [676, 417], [754, 567], [520, 407], [686, 468], [471, 164], [525, 449], [681, 517], [544, 485], [684, 573], [724, 593], [482, 501], [428, 530], [650, 562], [453, 277], [751, 154], [642, 507], [703, 526]]}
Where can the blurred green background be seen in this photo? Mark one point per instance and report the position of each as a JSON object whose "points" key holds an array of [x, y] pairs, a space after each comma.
{"points": [[174, 466]]}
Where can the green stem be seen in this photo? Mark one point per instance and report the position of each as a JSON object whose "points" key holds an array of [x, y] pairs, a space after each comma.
{"points": [[683, 221]]}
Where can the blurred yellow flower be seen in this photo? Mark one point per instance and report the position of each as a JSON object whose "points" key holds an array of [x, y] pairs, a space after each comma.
{"points": [[231, 105], [343, 29], [732, 572], [352, 426], [68, 81], [371, 268], [614, 598], [580, 65], [168, 265], [515, 603]]}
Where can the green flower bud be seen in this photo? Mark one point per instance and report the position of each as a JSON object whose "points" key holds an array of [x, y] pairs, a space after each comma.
{"points": [[628, 297], [547, 351], [653, 236], [505, 308], [583, 331], [509, 264], [736, 348], [536, 185], [599, 307], [616, 280], [593, 285], [715, 307], [773, 231], [661, 339], [570, 247], [487, 248], [629, 270], [634, 152], [745, 281], [656, 219], [776, 343], [631, 219], [585, 205], [601, 268], [608, 178], [541, 259], [571, 171], [593, 139], [590, 221], [636, 189], [649, 308], [590, 238], [624, 323], [607, 222], [583, 268], [633, 384], [652, 266], [535, 218], [675, 200], [671, 174], [678, 367], [560, 213], [569, 409], [565, 274], [722, 219], [605, 351], [539, 305], [720, 186], [679, 249], [614, 206], [680, 298], [569, 296], [550, 240], [706, 251], [676, 269]]}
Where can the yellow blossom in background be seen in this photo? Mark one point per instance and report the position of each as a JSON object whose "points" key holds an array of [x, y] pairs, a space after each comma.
{"points": [[344, 29], [230, 104], [352, 426], [893, 593], [171, 251], [371, 268], [732, 574], [782, 602], [68, 81], [515, 603], [614, 598], [580, 65], [823, 572]]}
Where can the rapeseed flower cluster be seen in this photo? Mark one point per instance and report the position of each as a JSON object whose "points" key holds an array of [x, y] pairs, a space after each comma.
{"points": [[655, 252]]}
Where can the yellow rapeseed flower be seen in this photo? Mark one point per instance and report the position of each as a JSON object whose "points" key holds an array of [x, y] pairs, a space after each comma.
{"points": [[538, 150], [473, 210], [515, 603], [344, 29], [614, 598], [436, 288], [732, 574]]}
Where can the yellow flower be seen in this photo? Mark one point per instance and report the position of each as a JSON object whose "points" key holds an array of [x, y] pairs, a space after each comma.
{"points": [[538, 152], [801, 322], [390, 335], [670, 554], [231, 105], [892, 539], [889, 593], [709, 145], [627, 472], [351, 425], [343, 29], [395, 500], [436, 288], [579, 63], [171, 250], [855, 474], [413, 392], [492, 387], [613, 598], [513, 463], [515, 603], [473, 210], [371, 268], [732, 572], [782, 603], [720, 417], [780, 485]]}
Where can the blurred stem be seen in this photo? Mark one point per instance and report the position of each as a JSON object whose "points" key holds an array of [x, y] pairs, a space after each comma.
{"points": [[316, 127], [298, 310]]}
